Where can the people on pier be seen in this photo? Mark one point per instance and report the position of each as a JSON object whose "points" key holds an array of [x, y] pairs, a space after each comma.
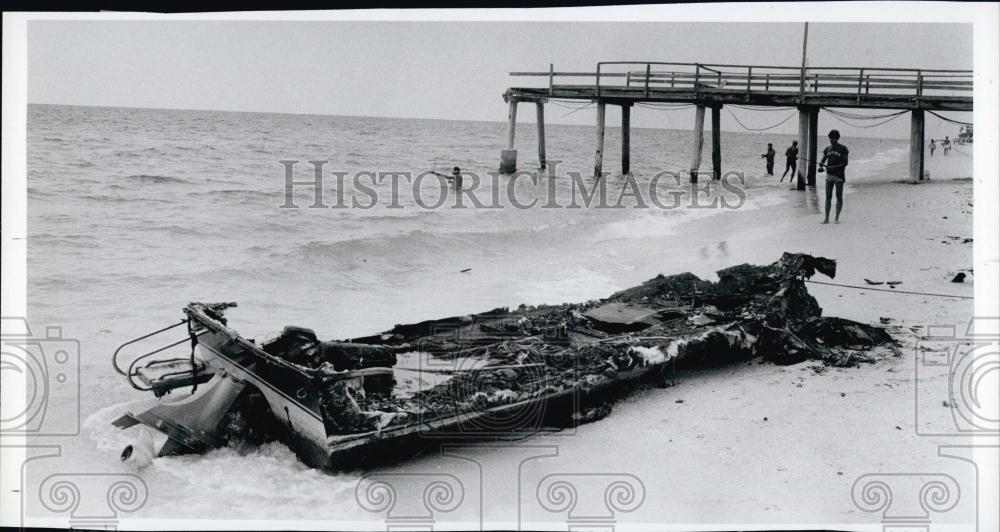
{"points": [[769, 156], [946, 145], [791, 159], [932, 146], [455, 177], [834, 162]]}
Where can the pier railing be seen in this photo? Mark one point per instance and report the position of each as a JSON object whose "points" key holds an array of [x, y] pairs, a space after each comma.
{"points": [[640, 78]]}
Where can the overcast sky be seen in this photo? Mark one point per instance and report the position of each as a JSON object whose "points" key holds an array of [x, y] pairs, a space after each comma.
{"points": [[442, 70]]}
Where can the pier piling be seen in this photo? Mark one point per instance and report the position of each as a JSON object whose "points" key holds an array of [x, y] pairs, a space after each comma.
{"points": [[599, 155], [626, 134], [699, 141], [508, 157], [540, 120], [716, 143], [917, 145], [801, 171], [672, 85], [813, 144]]}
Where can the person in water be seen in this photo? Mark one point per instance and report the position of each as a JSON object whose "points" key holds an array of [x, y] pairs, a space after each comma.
{"points": [[791, 159], [835, 161], [455, 177], [932, 146], [770, 158]]}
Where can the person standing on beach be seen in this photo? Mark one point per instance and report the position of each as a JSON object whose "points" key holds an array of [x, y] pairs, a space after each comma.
{"points": [[933, 146], [791, 159], [770, 158], [835, 161], [946, 145]]}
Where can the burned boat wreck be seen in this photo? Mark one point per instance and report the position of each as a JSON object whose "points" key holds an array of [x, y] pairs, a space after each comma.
{"points": [[505, 373]]}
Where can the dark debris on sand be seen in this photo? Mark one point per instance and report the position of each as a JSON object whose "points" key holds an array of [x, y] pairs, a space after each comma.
{"points": [[665, 323]]}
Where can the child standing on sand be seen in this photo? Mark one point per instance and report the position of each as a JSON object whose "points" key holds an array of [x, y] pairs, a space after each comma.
{"points": [[835, 160], [933, 146]]}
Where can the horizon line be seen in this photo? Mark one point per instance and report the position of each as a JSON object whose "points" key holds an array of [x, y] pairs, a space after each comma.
{"points": [[745, 132]]}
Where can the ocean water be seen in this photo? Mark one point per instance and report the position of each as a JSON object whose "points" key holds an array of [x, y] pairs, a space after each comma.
{"points": [[133, 213]]}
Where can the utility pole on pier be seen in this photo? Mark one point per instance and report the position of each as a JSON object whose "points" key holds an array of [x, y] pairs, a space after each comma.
{"points": [[804, 138], [805, 42]]}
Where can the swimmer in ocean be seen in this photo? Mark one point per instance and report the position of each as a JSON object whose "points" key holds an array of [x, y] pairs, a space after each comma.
{"points": [[455, 177]]}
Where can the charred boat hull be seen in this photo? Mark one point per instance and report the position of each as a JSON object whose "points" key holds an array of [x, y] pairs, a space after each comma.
{"points": [[338, 405]]}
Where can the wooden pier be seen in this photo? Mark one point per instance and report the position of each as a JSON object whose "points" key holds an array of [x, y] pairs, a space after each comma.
{"points": [[625, 83]]}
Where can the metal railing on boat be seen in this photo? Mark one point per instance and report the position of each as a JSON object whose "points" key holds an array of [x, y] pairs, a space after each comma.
{"points": [[132, 373]]}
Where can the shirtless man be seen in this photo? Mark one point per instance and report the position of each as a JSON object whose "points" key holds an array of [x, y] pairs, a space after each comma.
{"points": [[791, 159], [834, 160], [769, 156]]}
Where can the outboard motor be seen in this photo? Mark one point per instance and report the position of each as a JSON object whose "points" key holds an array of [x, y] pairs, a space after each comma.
{"points": [[181, 424], [145, 446]]}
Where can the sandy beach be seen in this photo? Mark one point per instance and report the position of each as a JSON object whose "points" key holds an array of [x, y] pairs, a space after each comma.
{"points": [[501, 269], [924, 243], [750, 442], [762, 443], [746, 443]]}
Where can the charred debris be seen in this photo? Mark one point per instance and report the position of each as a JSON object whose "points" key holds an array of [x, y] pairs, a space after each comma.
{"points": [[594, 351]]}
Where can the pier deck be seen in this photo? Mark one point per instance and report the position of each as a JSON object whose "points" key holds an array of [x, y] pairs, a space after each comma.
{"points": [[625, 83]]}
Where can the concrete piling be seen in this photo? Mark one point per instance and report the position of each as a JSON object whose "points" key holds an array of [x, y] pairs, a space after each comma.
{"points": [[540, 120], [626, 134], [508, 157], [599, 155], [813, 145], [699, 141], [916, 145], [801, 170], [716, 143]]}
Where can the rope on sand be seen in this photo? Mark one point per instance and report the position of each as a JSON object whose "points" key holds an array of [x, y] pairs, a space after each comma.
{"points": [[892, 290]]}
